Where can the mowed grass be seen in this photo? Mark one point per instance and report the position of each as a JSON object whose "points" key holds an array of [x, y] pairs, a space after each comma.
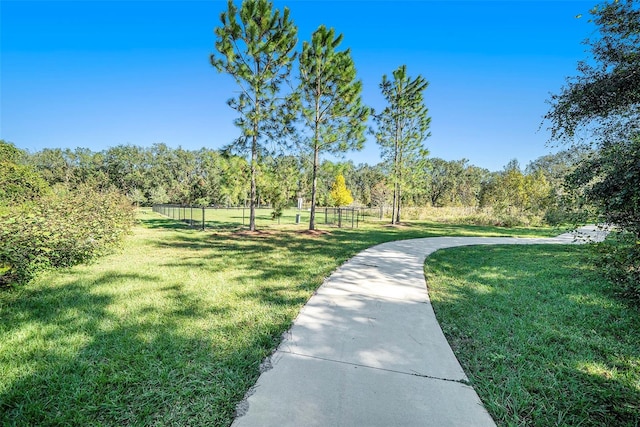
{"points": [[170, 330], [543, 339]]}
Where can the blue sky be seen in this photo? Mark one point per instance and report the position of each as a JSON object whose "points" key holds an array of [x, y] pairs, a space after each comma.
{"points": [[97, 74]]}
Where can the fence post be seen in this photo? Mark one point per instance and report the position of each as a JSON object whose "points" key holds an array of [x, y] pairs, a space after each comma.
{"points": [[203, 218]]}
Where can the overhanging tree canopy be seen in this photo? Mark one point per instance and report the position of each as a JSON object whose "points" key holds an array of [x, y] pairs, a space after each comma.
{"points": [[604, 99]]}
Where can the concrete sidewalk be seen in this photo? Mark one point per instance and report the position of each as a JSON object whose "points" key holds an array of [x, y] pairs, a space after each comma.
{"points": [[367, 350]]}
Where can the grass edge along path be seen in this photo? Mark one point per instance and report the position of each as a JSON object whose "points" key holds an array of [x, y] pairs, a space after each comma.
{"points": [[172, 329], [541, 336]]}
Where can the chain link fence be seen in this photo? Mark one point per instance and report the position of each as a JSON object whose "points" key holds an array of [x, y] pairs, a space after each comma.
{"points": [[231, 217]]}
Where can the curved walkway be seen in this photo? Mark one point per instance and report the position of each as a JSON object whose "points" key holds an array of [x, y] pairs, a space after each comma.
{"points": [[367, 350]]}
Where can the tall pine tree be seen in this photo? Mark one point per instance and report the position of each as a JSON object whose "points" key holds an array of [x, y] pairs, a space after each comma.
{"points": [[255, 46], [401, 129], [330, 102]]}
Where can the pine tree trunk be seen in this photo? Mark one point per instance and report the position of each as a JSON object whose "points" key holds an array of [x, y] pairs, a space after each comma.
{"points": [[399, 205], [399, 186], [393, 206], [316, 159], [254, 170], [396, 172]]}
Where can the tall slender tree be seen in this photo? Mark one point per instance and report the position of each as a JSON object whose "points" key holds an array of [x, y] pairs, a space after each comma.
{"points": [[330, 101], [255, 46], [401, 129]]}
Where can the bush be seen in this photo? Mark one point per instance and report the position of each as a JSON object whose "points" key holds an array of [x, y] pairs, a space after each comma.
{"points": [[620, 262], [59, 230], [19, 183]]}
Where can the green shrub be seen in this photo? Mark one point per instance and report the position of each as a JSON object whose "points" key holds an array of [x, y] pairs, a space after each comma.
{"points": [[19, 183], [556, 216], [620, 262], [61, 229]]}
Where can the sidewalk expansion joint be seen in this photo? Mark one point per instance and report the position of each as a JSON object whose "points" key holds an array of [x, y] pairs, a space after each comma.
{"points": [[359, 365]]}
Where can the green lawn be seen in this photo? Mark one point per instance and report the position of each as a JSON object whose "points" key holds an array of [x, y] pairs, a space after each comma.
{"points": [[171, 329], [541, 336]]}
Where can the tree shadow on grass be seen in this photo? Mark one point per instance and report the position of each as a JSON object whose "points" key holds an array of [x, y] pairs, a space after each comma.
{"points": [[73, 354], [542, 348], [165, 223], [408, 230], [294, 255], [189, 224]]}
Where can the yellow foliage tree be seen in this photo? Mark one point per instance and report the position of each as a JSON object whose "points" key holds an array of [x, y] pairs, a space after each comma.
{"points": [[340, 194]]}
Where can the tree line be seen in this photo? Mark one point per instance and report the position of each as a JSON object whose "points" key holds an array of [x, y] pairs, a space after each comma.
{"points": [[59, 207], [206, 177]]}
